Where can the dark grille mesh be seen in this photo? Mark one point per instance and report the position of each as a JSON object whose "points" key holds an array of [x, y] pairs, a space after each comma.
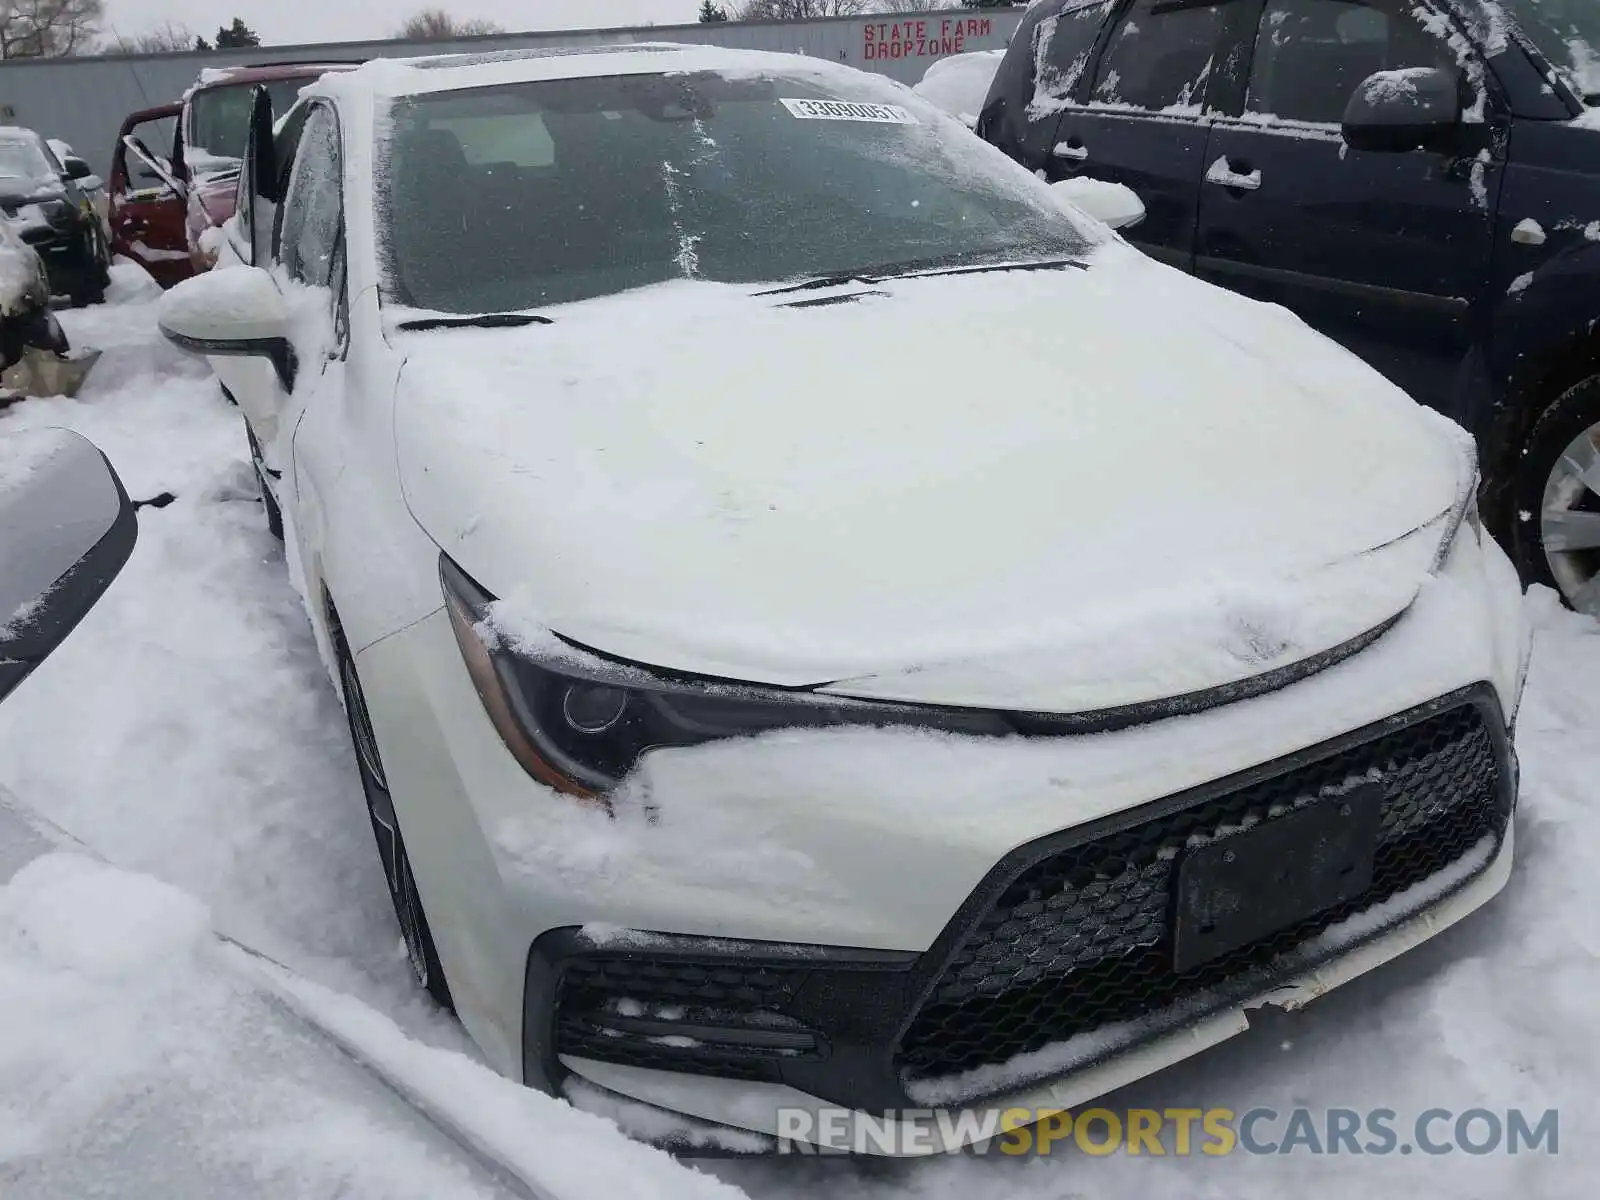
{"points": [[1083, 938], [725, 994]]}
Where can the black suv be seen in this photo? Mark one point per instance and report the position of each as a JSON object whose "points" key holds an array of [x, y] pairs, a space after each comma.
{"points": [[1418, 179], [51, 212]]}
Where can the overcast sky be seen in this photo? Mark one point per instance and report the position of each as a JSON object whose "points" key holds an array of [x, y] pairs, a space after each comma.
{"points": [[288, 22]]}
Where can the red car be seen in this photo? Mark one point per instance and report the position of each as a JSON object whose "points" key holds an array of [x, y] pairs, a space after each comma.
{"points": [[175, 167]]}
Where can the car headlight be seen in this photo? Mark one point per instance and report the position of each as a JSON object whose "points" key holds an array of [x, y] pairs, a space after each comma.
{"points": [[578, 722]]}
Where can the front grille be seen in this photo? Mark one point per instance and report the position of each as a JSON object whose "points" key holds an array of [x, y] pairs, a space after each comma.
{"points": [[662, 1012], [1083, 938]]}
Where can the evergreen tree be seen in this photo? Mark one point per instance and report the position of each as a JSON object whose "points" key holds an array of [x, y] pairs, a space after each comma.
{"points": [[235, 35]]}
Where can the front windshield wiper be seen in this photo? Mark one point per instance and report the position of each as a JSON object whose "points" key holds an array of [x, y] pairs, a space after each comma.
{"points": [[481, 321], [1043, 264], [943, 265]]}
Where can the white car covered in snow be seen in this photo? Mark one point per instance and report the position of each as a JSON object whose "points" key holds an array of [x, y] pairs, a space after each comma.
{"points": [[960, 84], [822, 621]]}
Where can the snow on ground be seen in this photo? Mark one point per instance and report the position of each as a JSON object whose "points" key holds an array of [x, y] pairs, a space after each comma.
{"points": [[187, 728], [187, 731]]}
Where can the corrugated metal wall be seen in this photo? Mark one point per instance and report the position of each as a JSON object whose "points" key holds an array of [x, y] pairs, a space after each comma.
{"points": [[83, 100]]}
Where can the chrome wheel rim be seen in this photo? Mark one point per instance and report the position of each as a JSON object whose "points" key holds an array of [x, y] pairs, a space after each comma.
{"points": [[1569, 522]]}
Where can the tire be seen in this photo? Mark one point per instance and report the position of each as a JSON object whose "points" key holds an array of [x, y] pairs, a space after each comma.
{"points": [[1555, 509], [413, 921], [274, 513], [97, 275]]}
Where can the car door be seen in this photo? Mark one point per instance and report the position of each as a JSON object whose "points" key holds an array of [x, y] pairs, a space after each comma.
{"points": [[145, 200], [1039, 76], [1387, 253], [1142, 118]]}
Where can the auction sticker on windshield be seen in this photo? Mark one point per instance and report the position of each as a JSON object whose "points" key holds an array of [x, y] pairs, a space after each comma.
{"points": [[848, 110]]}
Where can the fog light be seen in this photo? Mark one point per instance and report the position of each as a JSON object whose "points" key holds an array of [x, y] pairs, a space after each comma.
{"points": [[589, 708]]}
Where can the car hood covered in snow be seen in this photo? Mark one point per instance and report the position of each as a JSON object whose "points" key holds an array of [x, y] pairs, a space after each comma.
{"points": [[1053, 490]]}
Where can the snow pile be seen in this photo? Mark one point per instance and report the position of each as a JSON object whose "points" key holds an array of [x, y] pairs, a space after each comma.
{"points": [[23, 453], [959, 84], [1529, 232], [20, 271], [130, 1060]]}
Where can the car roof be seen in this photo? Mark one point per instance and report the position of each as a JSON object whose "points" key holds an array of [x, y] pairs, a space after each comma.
{"points": [[392, 77], [265, 73]]}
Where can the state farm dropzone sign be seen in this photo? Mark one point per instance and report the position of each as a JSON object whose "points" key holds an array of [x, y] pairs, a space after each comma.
{"points": [[924, 38]]}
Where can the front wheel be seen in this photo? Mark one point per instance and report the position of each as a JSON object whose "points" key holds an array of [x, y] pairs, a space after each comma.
{"points": [[1555, 514], [420, 950]]}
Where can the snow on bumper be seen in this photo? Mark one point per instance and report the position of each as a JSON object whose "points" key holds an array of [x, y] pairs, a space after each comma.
{"points": [[870, 840], [769, 1109]]}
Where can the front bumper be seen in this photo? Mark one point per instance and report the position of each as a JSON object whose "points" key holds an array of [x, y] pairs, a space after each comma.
{"points": [[1059, 962], [872, 841]]}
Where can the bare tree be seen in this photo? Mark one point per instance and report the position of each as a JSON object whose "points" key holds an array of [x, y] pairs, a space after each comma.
{"points": [[160, 39], [436, 25], [799, 10], [912, 6], [48, 28]]}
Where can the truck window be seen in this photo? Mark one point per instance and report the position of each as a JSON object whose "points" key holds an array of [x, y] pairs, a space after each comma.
{"points": [[1065, 43], [1160, 55], [1311, 55]]}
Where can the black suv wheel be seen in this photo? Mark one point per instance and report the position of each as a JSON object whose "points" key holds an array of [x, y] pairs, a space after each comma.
{"points": [[1555, 508]]}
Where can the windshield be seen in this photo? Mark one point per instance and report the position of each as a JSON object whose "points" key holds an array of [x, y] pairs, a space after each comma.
{"points": [[24, 158], [219, 117], [531, 194], [1567, 32]]}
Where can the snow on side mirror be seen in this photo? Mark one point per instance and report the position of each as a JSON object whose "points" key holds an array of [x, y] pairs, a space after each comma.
{"points": [[1115, 204], [66, 530], [236, 311]]}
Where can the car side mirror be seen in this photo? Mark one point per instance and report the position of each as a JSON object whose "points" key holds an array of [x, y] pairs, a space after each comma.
{"points": [[1116, 204], [1398, 111], [66, 530], [76, 168], [235, 311]]}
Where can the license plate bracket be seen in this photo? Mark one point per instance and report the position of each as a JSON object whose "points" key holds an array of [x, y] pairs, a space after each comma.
{"points": [[1240, 888]]}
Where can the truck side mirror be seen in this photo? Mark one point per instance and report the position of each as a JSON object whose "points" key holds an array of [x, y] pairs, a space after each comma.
{"points": [[1399, 111]]}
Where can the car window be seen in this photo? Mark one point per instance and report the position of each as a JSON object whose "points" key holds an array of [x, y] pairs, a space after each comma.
{"points": [[23, 156], [1160, 55], [1311, 55], [219, 117], [1064, 44], [313, 206], [739, 179], [516, 139], [156, 136]]}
